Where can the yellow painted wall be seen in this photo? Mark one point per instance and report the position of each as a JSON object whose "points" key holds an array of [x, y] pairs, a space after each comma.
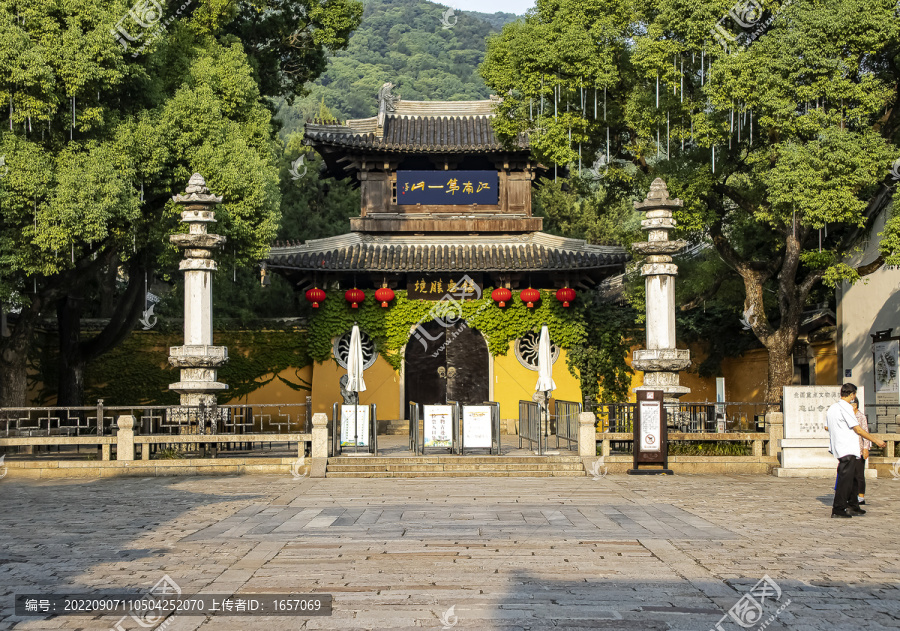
{"points": [[513, 382], [382, 387], [745, 377], [826, 364], [276, 391]]}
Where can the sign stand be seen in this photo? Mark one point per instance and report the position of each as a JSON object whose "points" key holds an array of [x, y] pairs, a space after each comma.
{"points": [[886, 364], [651, 442]]}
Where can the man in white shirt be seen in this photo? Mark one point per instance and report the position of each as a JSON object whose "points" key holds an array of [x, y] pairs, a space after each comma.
{"points": [[844, 432]]}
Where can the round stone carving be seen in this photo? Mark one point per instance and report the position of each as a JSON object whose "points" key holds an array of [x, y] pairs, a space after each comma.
{"points": [[527, 350], [341, 349]]}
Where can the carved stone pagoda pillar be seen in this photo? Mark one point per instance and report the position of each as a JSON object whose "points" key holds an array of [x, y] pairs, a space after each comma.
{"points": [[198, 359], [660, 361]]}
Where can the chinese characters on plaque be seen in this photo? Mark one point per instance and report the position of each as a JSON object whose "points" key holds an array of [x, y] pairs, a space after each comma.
{"points": [[805, 407], [447, 187], [437, 287]]}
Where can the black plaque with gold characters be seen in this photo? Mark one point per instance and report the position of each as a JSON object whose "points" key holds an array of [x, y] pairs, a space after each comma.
{"points": [[460, 286], [651, 445]]}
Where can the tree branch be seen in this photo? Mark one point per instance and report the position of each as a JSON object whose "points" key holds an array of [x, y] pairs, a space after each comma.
{"points": [[126, 314], [696, 302]]}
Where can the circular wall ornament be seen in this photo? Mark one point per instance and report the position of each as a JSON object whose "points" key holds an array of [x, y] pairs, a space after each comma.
{"points": [[341, 349], [527, 350]]}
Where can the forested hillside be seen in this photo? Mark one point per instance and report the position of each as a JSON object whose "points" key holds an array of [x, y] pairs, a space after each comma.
{"points": [[404, 42]]}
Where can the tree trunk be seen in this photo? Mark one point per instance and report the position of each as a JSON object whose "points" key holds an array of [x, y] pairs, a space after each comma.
{"points": [[108, 288], [14, 360], [71, 358], [780, 367]]}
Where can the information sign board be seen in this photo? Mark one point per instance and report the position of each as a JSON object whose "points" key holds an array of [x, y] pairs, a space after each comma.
{"points": [[477, 426], [361, 433], [438, 425]]}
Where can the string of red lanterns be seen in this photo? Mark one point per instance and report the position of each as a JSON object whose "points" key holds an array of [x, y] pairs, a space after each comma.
{"points": [[384, 295]]}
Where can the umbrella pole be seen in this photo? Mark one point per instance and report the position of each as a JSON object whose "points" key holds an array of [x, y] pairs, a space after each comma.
{"points": [[546, 420]]}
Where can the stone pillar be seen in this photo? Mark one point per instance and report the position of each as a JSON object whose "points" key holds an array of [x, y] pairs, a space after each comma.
{"points": [[587, 435], [660, 361], [775, 429], [125, 438], [198, 359], [319, 445]]}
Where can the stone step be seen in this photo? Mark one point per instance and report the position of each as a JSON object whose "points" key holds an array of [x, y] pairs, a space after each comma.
{"points": [[454, 474], [465, 460], [474, 468]]}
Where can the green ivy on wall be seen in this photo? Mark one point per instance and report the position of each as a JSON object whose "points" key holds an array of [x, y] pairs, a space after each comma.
{"points": [[137, 372], [595, 337]]}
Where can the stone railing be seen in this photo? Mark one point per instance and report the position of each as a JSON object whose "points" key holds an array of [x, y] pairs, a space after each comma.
{"points": [[136, 436]]}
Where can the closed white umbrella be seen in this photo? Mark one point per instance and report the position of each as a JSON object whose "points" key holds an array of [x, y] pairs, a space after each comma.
{"points": [[545, 381], [355, 381], [545, 363]]}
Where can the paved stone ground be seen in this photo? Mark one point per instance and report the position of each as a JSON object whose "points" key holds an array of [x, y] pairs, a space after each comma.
{"points": [[618, 552]]}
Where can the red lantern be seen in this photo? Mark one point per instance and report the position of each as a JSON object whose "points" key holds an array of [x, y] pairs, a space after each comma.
{"points": [[565, 295], [501, 295], [354, 297], [315, 296], [384, 295], [530, 296]]}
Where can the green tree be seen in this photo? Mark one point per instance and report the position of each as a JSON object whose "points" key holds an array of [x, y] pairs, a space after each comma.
{"points": [[107, 120], [404, 42], [785, 135]]}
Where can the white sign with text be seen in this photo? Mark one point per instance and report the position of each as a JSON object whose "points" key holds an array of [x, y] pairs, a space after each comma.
{"points": [[651, 425], [438, 425], [477, 426], [359, 433]]}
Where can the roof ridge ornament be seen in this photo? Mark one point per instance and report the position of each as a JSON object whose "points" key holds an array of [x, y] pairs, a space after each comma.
{"points": [[387, 102]]}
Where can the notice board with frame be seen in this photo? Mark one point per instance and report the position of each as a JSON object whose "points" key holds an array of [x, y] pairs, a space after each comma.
{"points": [[651, 444]]}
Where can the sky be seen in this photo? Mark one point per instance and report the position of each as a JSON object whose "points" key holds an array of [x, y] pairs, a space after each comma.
{"points": [[490, 6]]}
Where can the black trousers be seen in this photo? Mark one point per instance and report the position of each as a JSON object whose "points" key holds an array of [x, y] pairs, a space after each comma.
{"points": [[847, 492], [861, 475]]}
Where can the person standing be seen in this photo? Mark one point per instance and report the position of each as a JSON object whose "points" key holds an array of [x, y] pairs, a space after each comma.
{"points": [[844, 432], [864, 446]]}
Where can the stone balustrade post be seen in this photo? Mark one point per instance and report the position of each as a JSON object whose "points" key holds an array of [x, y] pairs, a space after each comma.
{"points": [[775, 428], [319, 445], [125, 438], [587, 435]]}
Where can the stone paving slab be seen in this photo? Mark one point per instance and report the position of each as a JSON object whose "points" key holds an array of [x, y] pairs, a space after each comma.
{"points": [[674, 552]]}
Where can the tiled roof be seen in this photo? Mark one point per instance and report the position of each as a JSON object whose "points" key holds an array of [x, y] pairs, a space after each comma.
{"points": [[420, 133], [362, 252]]}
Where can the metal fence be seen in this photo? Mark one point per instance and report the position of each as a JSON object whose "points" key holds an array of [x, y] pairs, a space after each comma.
{"points": [[100, 420], [567, 422], [530, 414], [687, 417]]}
